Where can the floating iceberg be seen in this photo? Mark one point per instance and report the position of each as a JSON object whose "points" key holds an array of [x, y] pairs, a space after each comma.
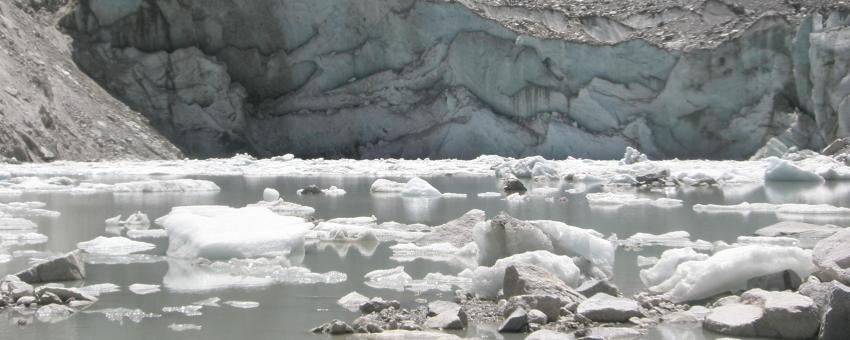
{"points": [[26, 210], [417, 187], [488, 194], [182, 327], [114, 246], [143, 289], [465, 257], [19, 239], [242, 304], [616, 200], [729, 270], [200, 276], [487, 281], [331, 231], [394, 278], [386, 186], [170, 185], [781, 170], [675, 239], [147, 233], [227, 233], [99, 289], [664, 266]]}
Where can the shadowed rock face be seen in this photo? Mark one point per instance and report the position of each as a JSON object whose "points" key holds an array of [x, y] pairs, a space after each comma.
{"points": [[416, 78]]}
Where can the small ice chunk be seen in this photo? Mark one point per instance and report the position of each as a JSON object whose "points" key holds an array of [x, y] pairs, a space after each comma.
{"points": [[21, 238], [489, 194], [119, 314], [190, 310], [209, 302], [99, 289], [781, 170], [465, 257], [181, 327], [114, 246], [242, 304], [139, 220], [672, 239], [149, 233], [229, 233], [417, 187], [333, 191], [769, 240], [362, 220], [114, 220], [352, 301], [171, 185], [453, 195], [190, 276], [16, 223], [632, 156], [270, 195], [329, 231], [386, 186], [616, 200], [143, 289], [516, 198], [729, 270], [26, 210], [394, 278]]}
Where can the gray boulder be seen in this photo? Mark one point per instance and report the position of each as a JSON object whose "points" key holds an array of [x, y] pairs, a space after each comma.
{"points": [[832, 257], [53, 313], [450, 319], [549, 305], [833, 301], [762, 313], [779, 281], [536, 316], [808, 234], [68, 267], [516, 322], [593, 287], [511, 183], [526, 279], [65, 294], [606, 308], [440, 306], [377, 304]]}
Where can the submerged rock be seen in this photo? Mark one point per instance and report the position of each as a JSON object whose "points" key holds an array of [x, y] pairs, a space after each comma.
{"points": [[761, 313], [606, 308], [68, 267]]}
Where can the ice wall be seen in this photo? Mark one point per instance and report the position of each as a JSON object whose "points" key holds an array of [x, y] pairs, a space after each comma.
{"points": [[418, 78]]}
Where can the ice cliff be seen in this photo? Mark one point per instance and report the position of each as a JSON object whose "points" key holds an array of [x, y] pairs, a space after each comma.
{"points": [[419, 78]]}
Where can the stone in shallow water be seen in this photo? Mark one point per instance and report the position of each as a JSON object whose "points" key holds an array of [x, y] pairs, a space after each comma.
{"points": [[450, 319], [53, 313], [516, 322], [68, 267], [606, 308], [763, 313]]}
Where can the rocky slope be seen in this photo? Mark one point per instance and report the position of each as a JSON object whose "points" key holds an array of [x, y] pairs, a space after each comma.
{"points": [[419, 78], [49, 109]]}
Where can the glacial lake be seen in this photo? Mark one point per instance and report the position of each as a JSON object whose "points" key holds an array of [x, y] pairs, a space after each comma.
{"points": [[289, 311]]}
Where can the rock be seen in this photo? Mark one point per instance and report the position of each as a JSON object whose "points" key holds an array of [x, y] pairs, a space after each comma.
{"points": [[48, 298], [606, 308], [26, 300], [365, 324], [450, 319], [833, 301], [335, 327], [311, 190], [515, 323], [53, 313], [377, 304], [439, 306], [536, 316], [592, 287], [409, 325], [838, 146], [68, 267], [832, 257], [808, 234], [656, 178], [526, 279], [762, 313], [549, 305], [784, 280], [66, 294], [511, 183], [17, 289]]}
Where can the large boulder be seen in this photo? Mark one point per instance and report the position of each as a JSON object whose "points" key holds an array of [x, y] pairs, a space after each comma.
{"points": [[761, 313], [606, 308], [808, 234], [527, 279], [68, 267], [516, 322], [593, 287], [449, 319], [833, 301], [832, 257]]}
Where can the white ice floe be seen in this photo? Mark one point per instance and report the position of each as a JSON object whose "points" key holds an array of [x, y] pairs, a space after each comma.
{"points": [[453, 195], [646, 261], [664, 266], [208, 302], [729, 270], [516, 198], [488, 194], [788, 211], [242, 304], [119, 314], [393, 278], [332, 231], [352, 301], [147, 233], [27, 210], [616, 200], [190, 310], [465, 257], [122, 259], [386, 186], [169, 185], [676, 239], [417, 187], [225, 233], [189, 276], [333, 191], [143, 289], [768, 240], [360, 220], [15, 223], [138, 220], [8, 239], [487, 281], [270, 195], [781, 170], [182, 327], [114, 246], [527, 167], [100, 289]]}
